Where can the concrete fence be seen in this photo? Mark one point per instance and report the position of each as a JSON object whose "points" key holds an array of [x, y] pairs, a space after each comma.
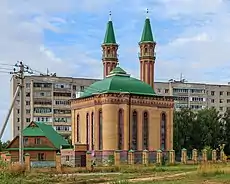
{"points": [[118, 158]]}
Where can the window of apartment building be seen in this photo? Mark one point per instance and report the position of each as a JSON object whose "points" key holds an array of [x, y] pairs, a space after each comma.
{"points": [[18, 110], [62, 94], [18, 128], [37, 140], [27, 102], [18, 120], [74, 87], [166, 90], [27, 111], [27, 120], [212, 101], [212, 93], [228, 108], [82, 88], [42, 102], [228, 93], [221, 108], [197, 99], [25, 140], [41, 156], [180, 90], [27, 85], [61, 102], [221, 93], [221, 101], [28, 94], [65, 120], [228, 100]]}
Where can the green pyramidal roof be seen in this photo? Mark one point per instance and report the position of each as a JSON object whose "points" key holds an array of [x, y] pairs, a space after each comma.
{"points": [[147, 35], [118, 81], [43, 129], [109, 35]]}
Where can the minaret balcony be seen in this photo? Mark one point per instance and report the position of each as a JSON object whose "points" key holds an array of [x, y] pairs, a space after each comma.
{"points": [[109, 56], [146, 55]]}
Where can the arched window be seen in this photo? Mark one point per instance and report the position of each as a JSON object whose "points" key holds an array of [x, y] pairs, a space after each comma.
{"points": [[145, 50], [87, 129], [78, 128], [145, 128], [92, 131], [100, 130], [120, 129], [134, 131], [163, 131]]}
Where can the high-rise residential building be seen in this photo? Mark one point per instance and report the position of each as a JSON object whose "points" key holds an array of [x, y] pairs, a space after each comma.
{"points": [[196, 95], [47, 100]]}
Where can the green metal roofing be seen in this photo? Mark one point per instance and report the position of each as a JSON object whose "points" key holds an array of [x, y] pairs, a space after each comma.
{"points": [[147, 35], [43, 129], [118, 81], [109, 35]]}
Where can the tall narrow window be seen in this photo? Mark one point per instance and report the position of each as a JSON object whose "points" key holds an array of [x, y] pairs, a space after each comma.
{"points": [[163, 131], [134, 131], [145, 127], [78, 128], [92, 131], [120, 129], [87, 129], [100, 130]]}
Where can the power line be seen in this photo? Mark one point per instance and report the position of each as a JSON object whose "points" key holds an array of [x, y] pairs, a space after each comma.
{"points": [[18, 72]]}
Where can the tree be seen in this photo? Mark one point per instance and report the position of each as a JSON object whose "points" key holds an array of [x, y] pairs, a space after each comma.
{"points": [[210, 127], [3, 145], [183, 122], [197, 129]]}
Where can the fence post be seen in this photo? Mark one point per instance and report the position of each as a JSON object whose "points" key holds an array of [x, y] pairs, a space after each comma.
{"points": [[88, 160], [222, 156], [214, 155], [172, 157], [58, 162], [194, 156], [131, 157], [117, 157], [8, 158], [159, 157], [145, 157], [184, 156], [204, 155], [27, 162]]}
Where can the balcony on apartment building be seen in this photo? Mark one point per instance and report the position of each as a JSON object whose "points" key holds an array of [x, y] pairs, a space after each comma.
{"points": [[43, 111], [42, 86], [62, 113], [42, 95], [62, 95], [62, 87], [61, 104], [42, 103], [62, 121]]}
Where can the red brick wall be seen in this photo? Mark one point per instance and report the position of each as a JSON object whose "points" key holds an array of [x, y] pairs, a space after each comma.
{"points": [[31, 142], [49, 155]]}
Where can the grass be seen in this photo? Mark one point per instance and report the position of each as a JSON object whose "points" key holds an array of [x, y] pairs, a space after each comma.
{"points": [[219, 173]]}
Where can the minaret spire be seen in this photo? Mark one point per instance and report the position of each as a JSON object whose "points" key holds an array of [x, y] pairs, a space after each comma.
{"points": [[147, 53], [147, 13], [110, 16], [110, 47]]}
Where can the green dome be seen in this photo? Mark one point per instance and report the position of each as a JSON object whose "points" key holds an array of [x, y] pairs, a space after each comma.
{"points": [[118, 81]]}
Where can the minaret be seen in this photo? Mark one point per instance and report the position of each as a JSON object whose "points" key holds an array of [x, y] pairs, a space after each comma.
{"points": [[147, 54], [109, 49]]}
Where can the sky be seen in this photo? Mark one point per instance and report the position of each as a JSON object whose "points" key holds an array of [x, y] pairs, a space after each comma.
{"points": [[192, 38]]}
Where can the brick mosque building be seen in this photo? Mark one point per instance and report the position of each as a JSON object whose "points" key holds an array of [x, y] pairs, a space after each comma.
{"points": [[121, 112]]}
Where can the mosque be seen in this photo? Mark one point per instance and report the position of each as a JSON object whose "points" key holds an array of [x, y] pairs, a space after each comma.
{"points": [[121, 112]]}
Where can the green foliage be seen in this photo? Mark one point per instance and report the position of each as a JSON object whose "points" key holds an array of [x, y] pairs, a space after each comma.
{"points": [[205, 128], [3, 145]]}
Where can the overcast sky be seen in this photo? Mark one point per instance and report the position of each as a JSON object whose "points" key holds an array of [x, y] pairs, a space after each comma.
{"points": [[65, 36]]}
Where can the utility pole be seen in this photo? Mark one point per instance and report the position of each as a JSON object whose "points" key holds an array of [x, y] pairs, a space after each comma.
{"points": [[20, 75]]}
